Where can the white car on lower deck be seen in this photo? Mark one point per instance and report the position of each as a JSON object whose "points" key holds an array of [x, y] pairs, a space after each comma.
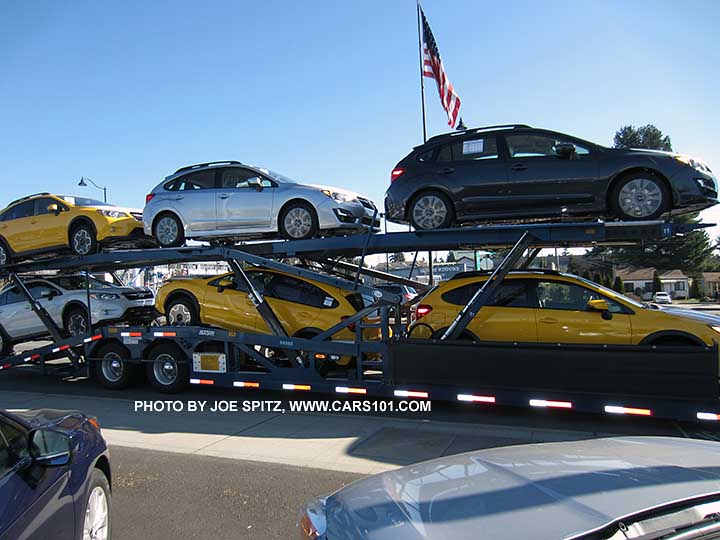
{"points": [[64, 297]]}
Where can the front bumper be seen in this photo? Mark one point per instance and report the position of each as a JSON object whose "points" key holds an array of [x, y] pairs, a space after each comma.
{"points": [[358, 214], [694, 190]]}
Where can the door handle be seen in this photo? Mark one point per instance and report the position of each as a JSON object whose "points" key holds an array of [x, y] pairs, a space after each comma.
{"points": [[178, 197], [445, 170], [548, 320], [519, 167], [224, 195]]}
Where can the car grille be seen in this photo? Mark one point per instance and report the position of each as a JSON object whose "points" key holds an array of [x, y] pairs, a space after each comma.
{"points": [[139, 295], [136, 215], [367, 203]]}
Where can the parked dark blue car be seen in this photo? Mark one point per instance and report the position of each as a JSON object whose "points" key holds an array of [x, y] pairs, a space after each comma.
{"points": [[54, 477]]}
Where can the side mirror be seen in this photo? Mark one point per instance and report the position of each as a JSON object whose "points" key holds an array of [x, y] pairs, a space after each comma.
{"points": [[565, 150], [49, 294], [224, 284], [49, 448], [598, 305], [54, 209], [256, 183]]}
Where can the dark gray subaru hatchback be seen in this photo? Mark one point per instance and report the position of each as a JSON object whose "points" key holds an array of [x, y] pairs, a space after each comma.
{"points": [[516, 172]]}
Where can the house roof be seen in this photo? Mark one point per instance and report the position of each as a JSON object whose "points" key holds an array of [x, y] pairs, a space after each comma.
{"points": [[646, 274], [711, 276]]}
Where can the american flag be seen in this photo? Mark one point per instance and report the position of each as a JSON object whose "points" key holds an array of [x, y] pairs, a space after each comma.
{"points": [[433, 68]]}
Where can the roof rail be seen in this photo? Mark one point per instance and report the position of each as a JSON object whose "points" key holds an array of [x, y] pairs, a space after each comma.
{"points": [[480, 273], [478, 130], [28, 197], [201, 165]]}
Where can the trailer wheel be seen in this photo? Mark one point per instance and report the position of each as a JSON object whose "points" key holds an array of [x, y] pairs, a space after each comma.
{"points": [[168, 370], [112, 368]]}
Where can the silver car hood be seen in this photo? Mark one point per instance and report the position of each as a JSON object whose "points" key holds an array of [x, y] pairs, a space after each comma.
{"points": [[333, 188], [531, 492]]}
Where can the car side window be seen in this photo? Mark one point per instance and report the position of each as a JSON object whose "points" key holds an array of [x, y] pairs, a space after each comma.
{"points": [[12, 296], [300, 292], [570, 297], [239, 178], [13, 446], [41, 290], [195, 180], [509, 294], [472, 149], [41, 206], [427, 156], [22, 210], [530, 145]]}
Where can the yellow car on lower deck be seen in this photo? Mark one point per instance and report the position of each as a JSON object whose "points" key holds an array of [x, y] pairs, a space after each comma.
{"points": [[551, 307], [304, 307], [45, 223]]}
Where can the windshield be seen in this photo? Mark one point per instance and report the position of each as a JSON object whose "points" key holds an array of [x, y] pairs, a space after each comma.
{"points": [[277, 176], [73, 283], [82, 201], [612, 294]]}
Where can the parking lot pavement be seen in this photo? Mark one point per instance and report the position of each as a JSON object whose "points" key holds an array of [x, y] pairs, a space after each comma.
{"points": [[157, 496]]}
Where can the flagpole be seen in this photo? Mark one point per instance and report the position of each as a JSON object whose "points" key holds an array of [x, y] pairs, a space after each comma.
{"points": [[422, 80]]}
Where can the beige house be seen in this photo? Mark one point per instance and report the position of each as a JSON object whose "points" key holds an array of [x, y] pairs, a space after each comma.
{"points": [[710, 283], [640, 282]]}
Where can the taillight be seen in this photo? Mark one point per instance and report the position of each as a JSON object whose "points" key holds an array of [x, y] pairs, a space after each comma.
{"points": [[396, 173], [422, 310], [408, 297], [149, 197], [350, 326]]}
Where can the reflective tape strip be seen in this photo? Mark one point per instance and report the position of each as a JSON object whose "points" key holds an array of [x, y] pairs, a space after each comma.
{"points": [[549, 403], [246, 384], [708, 416], [411, 393], [131, 334], [164, 334], [615, 409], [347, 390], [202, 381], [476, 399], [5, 366], [61, 348], [296, 387], [94, 338]]}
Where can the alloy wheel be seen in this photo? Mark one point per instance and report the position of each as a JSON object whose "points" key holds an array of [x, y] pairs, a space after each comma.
{"points": [[179, 314], [640, 197], [165, 369], [298, 222], [167, 231], [82, 242], [96, 516], [77, 324], [3, 256], [429, 212]]}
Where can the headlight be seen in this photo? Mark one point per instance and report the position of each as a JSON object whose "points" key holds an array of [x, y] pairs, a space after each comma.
{"points": [[105, 296], [112, 213], [715, 327], [694, 163], [313, 523], [339, 197]]}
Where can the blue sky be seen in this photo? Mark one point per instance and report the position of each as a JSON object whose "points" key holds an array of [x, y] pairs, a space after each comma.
{"points": [[327, 91]]}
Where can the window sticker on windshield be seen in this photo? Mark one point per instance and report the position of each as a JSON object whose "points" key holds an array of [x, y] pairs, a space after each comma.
{"points": [[328, 301], [473, 147]]}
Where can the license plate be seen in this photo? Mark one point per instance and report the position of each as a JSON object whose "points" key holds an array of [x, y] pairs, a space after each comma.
{"points": [[210, 362]]}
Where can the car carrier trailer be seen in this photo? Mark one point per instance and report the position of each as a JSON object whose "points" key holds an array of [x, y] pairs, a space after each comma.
{"points": [[679, 382]]}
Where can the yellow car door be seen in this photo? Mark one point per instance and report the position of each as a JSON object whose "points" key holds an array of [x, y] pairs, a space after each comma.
{"points": [[15, 224], [508, 316], [228, 306], [50, 228], [296, 304], [564, 316]]}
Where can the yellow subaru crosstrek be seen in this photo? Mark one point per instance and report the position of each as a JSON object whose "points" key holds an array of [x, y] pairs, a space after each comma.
{"points": [[49, 223], [550, 307], [304, 307]]}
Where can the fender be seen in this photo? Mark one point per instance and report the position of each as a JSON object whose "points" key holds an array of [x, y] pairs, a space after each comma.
{"points": [[647, 340]]}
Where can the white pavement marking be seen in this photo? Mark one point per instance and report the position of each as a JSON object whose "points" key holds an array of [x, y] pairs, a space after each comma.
{"points": [[352, 443]]}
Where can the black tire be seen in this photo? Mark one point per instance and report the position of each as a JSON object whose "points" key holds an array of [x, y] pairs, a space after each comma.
{"points": [[98, 481], [168, 370], [302, 221], [186, 311], [76, 321], [6, 347], [5, 254], [464, 335], [673, 341], [112, 369], [83, 240], [431, 210], [168, 230], [651, 197]]}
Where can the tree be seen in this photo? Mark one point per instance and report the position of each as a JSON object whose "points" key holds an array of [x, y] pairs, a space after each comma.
{"points": [[450, 257], [597, 278], [572, 266], [642, 137], [695, 287], [398, 257], [618, 285], [657, 284]]}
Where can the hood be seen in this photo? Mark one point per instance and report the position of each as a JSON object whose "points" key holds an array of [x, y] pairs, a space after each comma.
{"points": [[64, 420], [645, 151], [121, 209], [333, 188], [535, 492], [692, 314]]}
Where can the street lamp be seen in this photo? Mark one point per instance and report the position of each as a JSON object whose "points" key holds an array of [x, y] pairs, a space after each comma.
{"points": [[83, 183]]}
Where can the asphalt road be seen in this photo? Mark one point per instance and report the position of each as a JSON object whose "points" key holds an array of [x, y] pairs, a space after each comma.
{"points": [[158, 496]]}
